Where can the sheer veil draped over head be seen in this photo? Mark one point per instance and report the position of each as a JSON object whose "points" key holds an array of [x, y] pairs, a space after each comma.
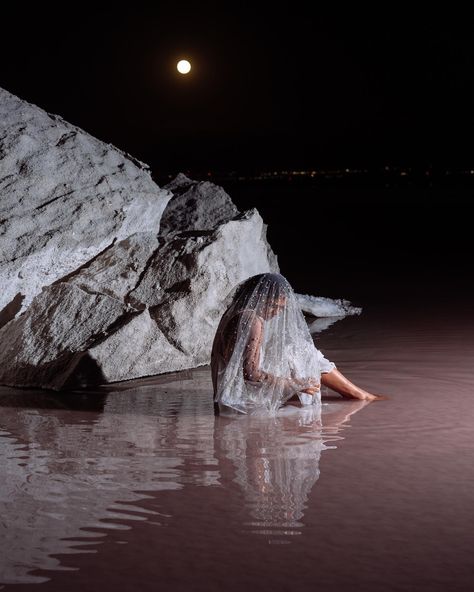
{"points": [[263, 352]]}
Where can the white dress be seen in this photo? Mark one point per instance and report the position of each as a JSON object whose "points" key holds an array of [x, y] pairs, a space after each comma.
{"points": [[324, 366], [263, 352]]}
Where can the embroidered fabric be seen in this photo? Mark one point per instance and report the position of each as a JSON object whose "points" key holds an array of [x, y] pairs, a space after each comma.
{"points": [[263, 353]]}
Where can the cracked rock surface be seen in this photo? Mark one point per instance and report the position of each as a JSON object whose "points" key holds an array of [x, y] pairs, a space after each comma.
{"points": [[65, 196]]}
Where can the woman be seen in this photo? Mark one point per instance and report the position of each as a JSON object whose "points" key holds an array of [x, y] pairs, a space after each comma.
{"points": [[263, 354]]}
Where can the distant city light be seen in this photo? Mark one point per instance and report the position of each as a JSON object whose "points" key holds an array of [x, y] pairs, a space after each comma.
{"points": [[317, 175]]}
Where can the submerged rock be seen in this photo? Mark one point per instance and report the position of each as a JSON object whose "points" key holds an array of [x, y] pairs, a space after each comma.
{"points": [[320, 306], [322, 323]]}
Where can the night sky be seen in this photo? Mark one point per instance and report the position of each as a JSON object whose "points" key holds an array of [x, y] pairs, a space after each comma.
{"points": [[283, 87], [272, 85]]}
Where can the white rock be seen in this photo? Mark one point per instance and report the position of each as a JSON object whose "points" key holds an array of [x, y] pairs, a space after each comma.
{"points": [[323, 323], [320, 306], [64, 197], [72, 334], [201, 205], [40, 346], [195, 205], [185, 288], [139, 348], [117, 270]]}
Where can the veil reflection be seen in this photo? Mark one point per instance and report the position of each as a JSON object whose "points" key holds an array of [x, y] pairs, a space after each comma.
{"points": [[72, 470], [276, 459]]}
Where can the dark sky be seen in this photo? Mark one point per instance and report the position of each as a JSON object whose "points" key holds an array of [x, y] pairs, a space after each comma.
{"points": [[272, 85]]}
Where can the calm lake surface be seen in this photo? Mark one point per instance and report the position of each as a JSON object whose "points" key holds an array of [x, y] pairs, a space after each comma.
{"points": [[139, 486]]}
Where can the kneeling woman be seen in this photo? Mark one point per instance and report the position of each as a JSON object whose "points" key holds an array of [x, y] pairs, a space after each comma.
{"points": [[263, 354]]}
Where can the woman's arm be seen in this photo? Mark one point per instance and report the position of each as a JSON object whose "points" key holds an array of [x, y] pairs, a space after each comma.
{"points": [[253, 373], [251, 363]]}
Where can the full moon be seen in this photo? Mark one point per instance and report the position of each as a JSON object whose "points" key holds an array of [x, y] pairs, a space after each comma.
{"points": [[183, 66]]}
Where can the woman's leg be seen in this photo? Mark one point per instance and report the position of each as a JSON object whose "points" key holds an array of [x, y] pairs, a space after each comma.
{"points": [[339, 383]]}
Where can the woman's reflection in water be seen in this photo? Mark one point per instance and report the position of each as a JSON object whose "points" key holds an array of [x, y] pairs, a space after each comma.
{"points": [[276, 459], [76, 470]]}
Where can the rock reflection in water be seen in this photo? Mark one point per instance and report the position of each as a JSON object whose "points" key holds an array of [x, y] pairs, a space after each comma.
{"points": [[74, 467], [68, 475]]}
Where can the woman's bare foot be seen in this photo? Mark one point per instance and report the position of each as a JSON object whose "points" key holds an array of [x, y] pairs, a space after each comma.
{"points": [[364, 396]]}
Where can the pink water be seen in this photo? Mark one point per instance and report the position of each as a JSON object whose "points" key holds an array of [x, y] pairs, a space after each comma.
{"points": [[140, 487]]}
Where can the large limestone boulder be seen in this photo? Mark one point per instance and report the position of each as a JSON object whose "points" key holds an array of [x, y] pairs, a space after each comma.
{"points": [[64, 197], [94, 289], [89, 328]]}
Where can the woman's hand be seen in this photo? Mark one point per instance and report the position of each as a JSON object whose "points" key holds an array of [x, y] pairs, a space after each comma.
{"points": [[312, 390], [308, 385], [313, 387]]}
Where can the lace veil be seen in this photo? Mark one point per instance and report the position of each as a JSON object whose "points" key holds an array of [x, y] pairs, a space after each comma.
{"points": [[263, 353]]}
